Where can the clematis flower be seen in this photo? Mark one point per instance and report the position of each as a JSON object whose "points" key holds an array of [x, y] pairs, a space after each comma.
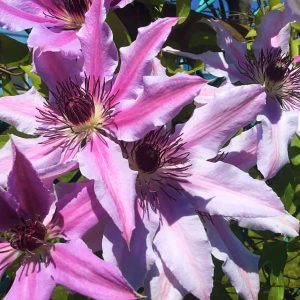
{"points": [[54, 22], [270, 65], [181, 176], [89, 107], [42, 237]]}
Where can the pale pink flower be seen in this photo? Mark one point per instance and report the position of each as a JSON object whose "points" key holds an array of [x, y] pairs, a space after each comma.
{"points": [[270, 65], [42, 236], [54, 22], [90, 107], [181, 176]]}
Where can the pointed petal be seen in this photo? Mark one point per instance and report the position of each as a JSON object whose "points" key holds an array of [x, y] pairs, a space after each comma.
{"points": [[32, 281], [56, 67], [135, 260], [272, 152], [20, 111], [183, 247], [240, 265], [25, 185], [81, 214], [99, 51], [77, 268], [42, 156], [161, 283], [22, 15], [136, 58], [273, 32], [235, 51], [160, 101], [7, 256], [284, 224], [48, 40], [8, 211], [242, 149], [215, 63], [102, 161], [215, 123], [119, 3], [228, 191]]}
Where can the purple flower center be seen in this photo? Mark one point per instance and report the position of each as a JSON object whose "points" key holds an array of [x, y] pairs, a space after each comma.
{"points": [[276, 70], [71, 12], [28, 236], [147, 158], [78, 110]]}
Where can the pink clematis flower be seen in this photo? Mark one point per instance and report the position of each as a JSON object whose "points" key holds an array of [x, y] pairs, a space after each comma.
{"points": [[270, 65], [54, 22], [43, 236], [181, 176], [90, 106]]}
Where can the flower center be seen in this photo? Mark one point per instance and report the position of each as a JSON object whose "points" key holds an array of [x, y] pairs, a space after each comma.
{"points": [[147, 158], [78, 110], [276, 70], [71, 12], [28, 236]]}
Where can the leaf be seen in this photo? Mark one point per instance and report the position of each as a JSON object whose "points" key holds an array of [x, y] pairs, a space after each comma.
{"points": [[275, 255], [120, 33], [36, 80], [284, 186], [12, 52], [8, 88], [183, 8], [60, 293]]}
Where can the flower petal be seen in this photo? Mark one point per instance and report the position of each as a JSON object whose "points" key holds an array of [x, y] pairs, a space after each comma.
{"points": [[235, 51], [81, 213], [77, 268], [48, 40], [7, 256], [242, 149], [136, 58], [102, 161], [99, 51], [27, 188], [228, 191], [32, 281], [42, 156], [20, 111], [272, 152], [284, 224], [55, 67], [215, 123], [21, 15], [215, 63], [135, 260], [161, 284], [183, 247], [160, 101], [240, 265], [8, 211], [273, 32]]}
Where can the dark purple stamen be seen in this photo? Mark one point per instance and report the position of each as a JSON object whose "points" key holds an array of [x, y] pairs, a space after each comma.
{"points": [[28, 236], [147, 158], [276, 71]]}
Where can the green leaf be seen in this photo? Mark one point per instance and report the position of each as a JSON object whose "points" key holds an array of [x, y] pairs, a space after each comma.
{"points": [[183, 8], [120, 33], [12, 52], [60, 293], [275, 255], [284, 186], [8, 88], [3, 139], [36, 80]]}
